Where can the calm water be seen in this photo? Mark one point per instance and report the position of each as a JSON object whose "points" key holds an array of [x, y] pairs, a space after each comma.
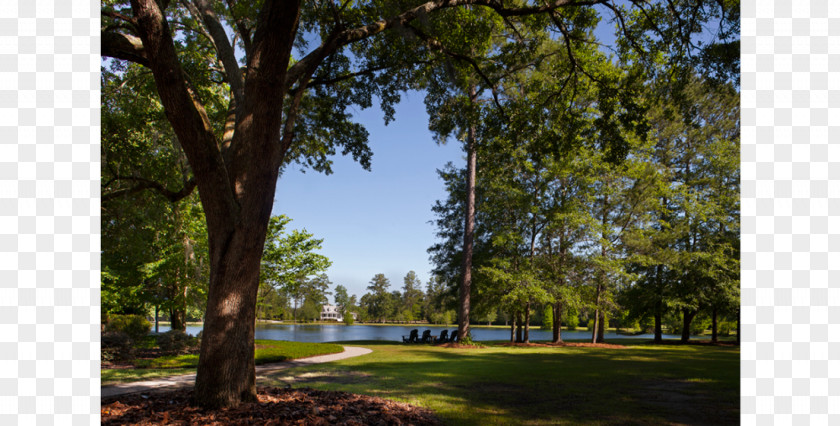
{"points": [[331, 333]]}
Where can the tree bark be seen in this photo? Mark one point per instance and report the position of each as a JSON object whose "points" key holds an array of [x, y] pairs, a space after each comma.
{"points": [[226, 373], [714, 325], [556, 329], [469, 232], [526, 338], [688, 316], [657, 324], [518, 327], [512, 327], [601, 322], [177, 319], [597, 318], [657, 315]]}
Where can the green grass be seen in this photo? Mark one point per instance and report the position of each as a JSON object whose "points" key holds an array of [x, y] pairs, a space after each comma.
{"points": [[267, 351], [643, 384], [111, 377]]}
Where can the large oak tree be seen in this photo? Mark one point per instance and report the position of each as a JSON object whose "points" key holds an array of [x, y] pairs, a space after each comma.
{"points": [[287, 102]]}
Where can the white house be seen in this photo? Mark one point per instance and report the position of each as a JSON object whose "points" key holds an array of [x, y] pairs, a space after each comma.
{"points": [[332, 313]]}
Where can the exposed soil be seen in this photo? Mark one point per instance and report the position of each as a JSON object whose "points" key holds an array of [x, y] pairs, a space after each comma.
{"points": [[274, 407], [565, 344]]}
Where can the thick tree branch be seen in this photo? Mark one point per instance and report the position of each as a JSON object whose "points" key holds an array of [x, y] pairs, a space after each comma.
{"points": [[144, 184], [253, 151], [187, 116], [355, 34], [242, 29], [125, 47], [224, 50]]}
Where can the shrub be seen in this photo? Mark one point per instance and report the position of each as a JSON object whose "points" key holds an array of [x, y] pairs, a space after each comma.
{"points": [[348, 318], [135, 326], [175, 341], [725, 327], [699, 325], [116, 345], [467, 340]]}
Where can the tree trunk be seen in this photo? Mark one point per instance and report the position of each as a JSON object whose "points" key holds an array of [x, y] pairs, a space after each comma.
{"points": [[226, 374], [157, 319], [519, 327], [512, 327], [597, 313], [657, 315], [601, 322], [469, 232], [556, 329], [526, 338], [657, 327], [686, 331], [177, 318], [714, 325]]}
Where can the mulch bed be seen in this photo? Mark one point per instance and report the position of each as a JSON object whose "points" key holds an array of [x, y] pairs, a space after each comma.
{"points": [[274, 407]]}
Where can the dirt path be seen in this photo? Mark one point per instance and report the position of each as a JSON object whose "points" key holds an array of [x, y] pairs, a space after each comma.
{"points": [[187, 380]]}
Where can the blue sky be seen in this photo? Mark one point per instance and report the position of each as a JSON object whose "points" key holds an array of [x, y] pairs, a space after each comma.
{"points": [[374, 221]]}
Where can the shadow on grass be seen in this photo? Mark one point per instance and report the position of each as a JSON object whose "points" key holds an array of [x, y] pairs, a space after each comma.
{"points": [[639, 385]]}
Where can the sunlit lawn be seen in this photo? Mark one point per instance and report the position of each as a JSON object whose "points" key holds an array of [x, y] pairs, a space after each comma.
{"points": [[267, 351], [643, 384]]}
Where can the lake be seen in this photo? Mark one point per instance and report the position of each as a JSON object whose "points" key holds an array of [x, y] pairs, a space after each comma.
{"points": [[330, 333]]}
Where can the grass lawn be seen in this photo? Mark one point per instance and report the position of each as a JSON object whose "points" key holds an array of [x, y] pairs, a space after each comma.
{"points": [[642, 384], [267, 351]]}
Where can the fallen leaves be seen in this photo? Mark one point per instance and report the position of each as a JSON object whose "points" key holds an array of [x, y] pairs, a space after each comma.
{"points": [[274, 406]]}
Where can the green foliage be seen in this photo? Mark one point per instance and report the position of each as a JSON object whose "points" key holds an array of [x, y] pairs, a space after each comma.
{"points": [[468, 340], [572, 318], [288, 262], [379, 303], [175, 341], [134, 326], [348, 318], [547, 318], [725, 328], [116, 346], [445, 317]]}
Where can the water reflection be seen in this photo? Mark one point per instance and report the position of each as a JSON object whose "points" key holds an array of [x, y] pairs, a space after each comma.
{"points": [[331, 333]]}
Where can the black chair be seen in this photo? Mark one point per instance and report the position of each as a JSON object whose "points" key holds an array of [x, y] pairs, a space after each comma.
{"points": [[454, 336], [444, 336], [426, 337], [412, 337]]}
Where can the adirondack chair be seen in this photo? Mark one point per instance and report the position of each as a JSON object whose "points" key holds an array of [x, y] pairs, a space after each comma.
{"points": [[412, 337], [453, 337], [444, 336], [427, 337]]}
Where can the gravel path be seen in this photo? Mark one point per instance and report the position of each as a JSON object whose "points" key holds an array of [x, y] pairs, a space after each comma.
{"points": [[187, 380]]}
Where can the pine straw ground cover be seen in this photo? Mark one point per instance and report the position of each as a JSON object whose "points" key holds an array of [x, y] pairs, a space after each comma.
{"points": [[274, 407]]}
